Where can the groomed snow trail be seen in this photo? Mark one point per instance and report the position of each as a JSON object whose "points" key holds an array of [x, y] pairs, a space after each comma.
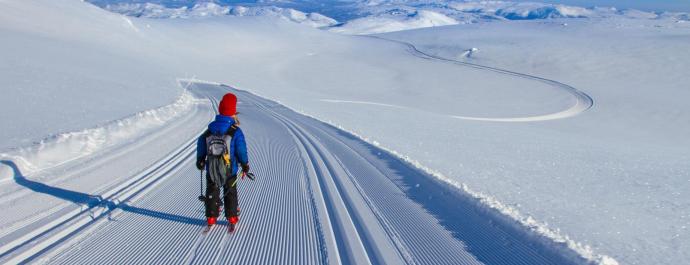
{"points": [[321, 196], [581, 101]]}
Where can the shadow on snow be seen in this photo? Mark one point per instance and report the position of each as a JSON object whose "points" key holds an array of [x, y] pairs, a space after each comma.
{"points": [[89, 200], [466, 219]]}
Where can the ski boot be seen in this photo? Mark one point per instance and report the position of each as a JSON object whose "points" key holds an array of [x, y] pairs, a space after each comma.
{"points": [[210, 221], [232, 222]]}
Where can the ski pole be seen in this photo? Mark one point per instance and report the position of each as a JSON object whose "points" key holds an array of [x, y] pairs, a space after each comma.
{"points": [[201, 186], [248, 174]]}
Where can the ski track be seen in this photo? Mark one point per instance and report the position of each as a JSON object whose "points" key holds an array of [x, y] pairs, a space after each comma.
{"points": [[582, 101], [321, 196]]}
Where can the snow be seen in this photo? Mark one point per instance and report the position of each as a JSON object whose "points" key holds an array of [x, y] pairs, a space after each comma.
{"points": [[521, 10], [347, 203], [370, 25], [152, 10], [371, 17], [66, 147], [628, 197], [389, 16], [106, 74], [608, 182], [210, 9]]}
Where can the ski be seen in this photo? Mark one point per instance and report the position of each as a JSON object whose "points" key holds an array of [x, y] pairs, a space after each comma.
{"points": [[207, 229]]}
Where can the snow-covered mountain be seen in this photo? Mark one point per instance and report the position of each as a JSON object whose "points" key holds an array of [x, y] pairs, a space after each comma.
{"points": [[389, 22], [369, 16], [392, 15], [210, 9]]}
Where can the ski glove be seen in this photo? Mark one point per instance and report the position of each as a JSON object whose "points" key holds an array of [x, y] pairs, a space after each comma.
{"points": [[245, 172], [200, 164]]}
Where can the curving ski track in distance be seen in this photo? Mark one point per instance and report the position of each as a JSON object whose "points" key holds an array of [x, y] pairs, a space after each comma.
{"points": [[321, 196], [583, 102]]}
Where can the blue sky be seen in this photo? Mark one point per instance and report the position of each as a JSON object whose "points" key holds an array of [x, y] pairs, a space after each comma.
{"points": [[648, 5]]}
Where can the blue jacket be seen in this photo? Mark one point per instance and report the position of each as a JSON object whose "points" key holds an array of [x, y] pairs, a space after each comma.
{"points": [[238, 147]]}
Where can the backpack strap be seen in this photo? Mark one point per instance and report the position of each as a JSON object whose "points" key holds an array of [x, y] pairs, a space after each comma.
{"points": [[206, 133], [231, 130]]}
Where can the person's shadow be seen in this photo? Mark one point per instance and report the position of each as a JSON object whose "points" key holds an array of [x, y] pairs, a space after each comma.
{"points": [[91, 200]]}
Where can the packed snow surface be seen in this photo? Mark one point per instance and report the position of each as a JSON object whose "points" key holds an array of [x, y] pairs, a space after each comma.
{"points": [[608, 181], [321, 196]]}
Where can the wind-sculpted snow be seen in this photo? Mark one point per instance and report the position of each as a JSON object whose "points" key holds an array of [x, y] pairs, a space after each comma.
{"points": [[321, 196]]}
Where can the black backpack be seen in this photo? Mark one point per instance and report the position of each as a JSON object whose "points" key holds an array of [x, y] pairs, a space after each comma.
{"points": [[218, 159]]}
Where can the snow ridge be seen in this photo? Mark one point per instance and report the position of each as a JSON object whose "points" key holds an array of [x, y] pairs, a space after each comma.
{"points": [[525, 221], [63, 148]]}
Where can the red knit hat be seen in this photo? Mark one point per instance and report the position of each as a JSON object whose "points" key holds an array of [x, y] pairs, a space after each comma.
{"points": [[228, 105]]}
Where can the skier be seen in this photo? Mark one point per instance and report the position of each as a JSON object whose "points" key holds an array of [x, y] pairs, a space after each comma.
{"points": [[220, 149]]}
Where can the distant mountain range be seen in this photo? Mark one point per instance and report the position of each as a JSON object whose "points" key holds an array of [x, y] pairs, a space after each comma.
{"points": [[374, 16]]}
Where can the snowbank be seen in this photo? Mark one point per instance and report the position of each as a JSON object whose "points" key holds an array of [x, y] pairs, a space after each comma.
{"points": [[64, 71], [57, 150]]}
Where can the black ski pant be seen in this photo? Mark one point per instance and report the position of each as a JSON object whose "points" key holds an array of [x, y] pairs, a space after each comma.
{"points": [[229, 198]]}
